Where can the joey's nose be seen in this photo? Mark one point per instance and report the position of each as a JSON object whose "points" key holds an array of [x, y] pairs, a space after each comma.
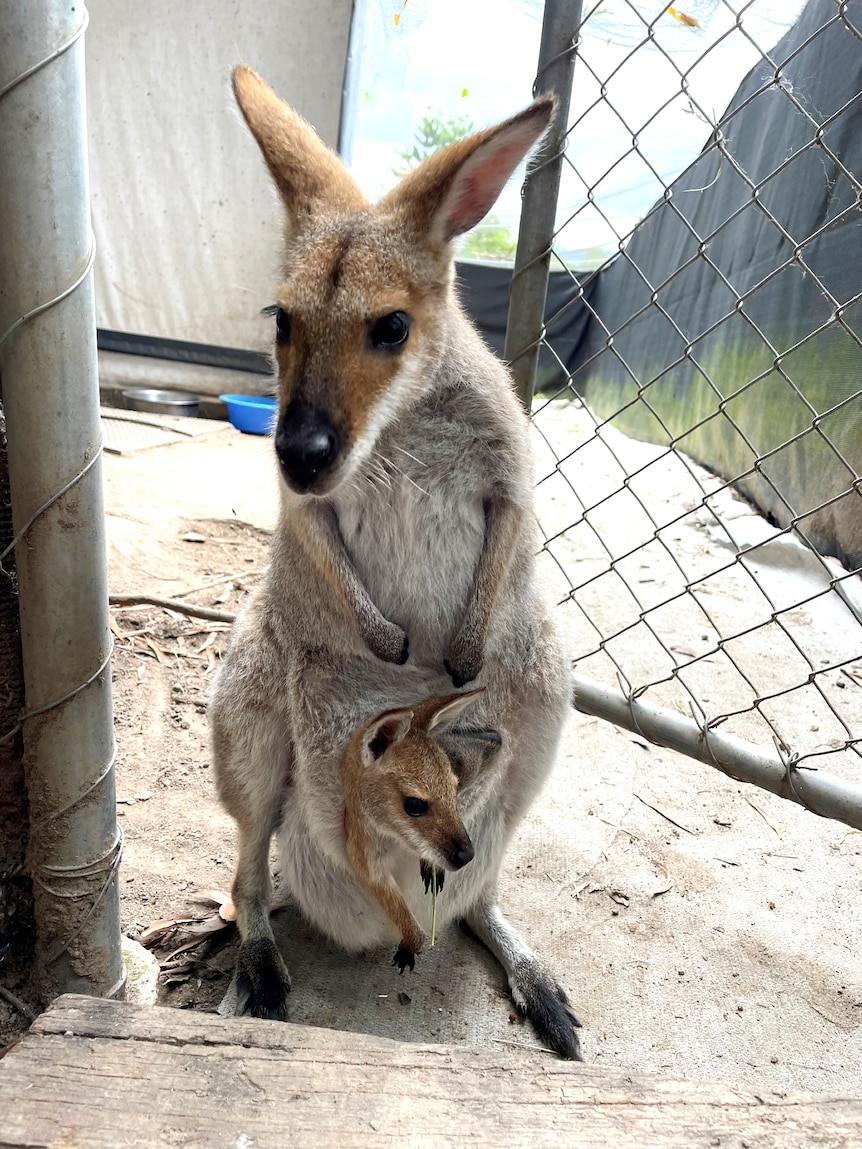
{"points": [[460, 852], [306, 443]]}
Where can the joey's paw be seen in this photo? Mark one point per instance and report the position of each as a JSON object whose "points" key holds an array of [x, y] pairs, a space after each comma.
{"points": [[404, 959], [426, 872], [541, 1001], [390, 644], [463, 667], [262, 979]]}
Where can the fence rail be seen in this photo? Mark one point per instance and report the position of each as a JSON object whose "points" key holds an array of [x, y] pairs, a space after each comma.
{"points": [[700, 450]]}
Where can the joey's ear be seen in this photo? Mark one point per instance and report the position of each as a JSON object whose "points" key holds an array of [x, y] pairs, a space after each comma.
{"points": [[439, 713], [382, 732], [307, 174], [454, 189]]}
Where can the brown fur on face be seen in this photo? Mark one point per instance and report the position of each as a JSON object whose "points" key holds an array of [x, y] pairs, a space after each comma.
{"points": [[349, 264], [395, 756], [342, 275]]}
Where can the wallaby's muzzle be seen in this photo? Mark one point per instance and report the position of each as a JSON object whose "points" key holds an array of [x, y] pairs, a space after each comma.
{"points": [[307, 445], [460, 852]]}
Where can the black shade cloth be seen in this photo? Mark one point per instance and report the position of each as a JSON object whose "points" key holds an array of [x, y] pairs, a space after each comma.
{"points": [[688, 364]]}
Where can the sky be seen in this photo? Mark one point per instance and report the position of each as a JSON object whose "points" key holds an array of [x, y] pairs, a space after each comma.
{"points": [[478, 58]]}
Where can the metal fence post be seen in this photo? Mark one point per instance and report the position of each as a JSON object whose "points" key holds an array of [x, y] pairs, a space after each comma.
{"points": [[50, 396], [529, 287]]}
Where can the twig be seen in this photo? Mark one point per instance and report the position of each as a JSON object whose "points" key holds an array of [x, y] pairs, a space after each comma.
{"points": [[622, 829], [176, 604], [662, 814], [757, 810], [522, 1045], [16, 1001], [223, 579]]}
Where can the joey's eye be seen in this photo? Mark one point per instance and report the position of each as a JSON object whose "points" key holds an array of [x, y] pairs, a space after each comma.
{"points": [[391, 331], [415, 807], [282, 325]]}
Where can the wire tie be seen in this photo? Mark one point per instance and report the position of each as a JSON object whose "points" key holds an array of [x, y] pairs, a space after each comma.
{"points": [[76, 35], [53, 499], [85, 871], [631, 695]]}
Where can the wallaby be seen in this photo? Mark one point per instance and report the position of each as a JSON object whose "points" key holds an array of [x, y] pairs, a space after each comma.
{"points": [[401, 794], [403, 560]]}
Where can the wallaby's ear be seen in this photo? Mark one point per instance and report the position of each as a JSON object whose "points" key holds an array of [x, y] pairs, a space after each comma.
{"points": [[441, 712], [382, 732], [307, 174], [454, 189]]}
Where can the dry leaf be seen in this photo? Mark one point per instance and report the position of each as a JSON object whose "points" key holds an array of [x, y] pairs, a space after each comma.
{"points": [[156, 930], [618, 897], [216, 897], [226, 908], [207, 642], [211, 925], [684, 18], [160, 654]]}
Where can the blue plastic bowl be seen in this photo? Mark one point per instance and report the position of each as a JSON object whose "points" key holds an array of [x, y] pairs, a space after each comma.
{"points": [[254, 414]]}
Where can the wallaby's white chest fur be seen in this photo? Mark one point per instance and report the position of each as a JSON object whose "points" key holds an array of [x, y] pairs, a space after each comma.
{"points": [[415, 541]]}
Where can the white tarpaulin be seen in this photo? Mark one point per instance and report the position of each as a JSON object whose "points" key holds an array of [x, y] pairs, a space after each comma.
{"points": [[187, 226]]}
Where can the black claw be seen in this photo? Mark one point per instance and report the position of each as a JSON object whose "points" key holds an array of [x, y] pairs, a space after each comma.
{"points": [[426, 871], [404, 959]]}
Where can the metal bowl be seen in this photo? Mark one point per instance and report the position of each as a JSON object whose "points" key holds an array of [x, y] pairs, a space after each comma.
{"points": [[161, 402]]}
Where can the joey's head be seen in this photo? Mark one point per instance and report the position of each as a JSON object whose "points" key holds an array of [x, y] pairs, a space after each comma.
{"points": [[361, 314], [399, 781]]}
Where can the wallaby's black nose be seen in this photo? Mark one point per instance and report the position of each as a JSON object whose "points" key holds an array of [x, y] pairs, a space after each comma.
{"points": [[306, 443], [460, 853]]}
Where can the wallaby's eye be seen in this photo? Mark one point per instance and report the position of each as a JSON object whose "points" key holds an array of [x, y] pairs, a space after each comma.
{"points": [[282, 325], [391, 331], [415, 807]]}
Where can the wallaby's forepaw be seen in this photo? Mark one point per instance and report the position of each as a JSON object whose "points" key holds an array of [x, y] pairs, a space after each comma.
{"points": [[463, 666], [544, 1003], [262, 979], [426, 871], [404, 959], [389, 643]]}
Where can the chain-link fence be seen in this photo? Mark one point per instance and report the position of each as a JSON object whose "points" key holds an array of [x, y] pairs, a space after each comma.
{"points": [[698, 408]]}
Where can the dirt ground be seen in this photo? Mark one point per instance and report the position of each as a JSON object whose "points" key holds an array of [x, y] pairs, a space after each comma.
{"points": [[702, 928]]}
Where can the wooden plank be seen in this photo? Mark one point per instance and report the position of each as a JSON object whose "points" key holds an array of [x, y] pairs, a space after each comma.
{"points": [[103, 1075]]}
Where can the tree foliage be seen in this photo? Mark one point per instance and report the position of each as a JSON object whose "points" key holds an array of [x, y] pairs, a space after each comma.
{"points": [[492, 239], [434, 131]]}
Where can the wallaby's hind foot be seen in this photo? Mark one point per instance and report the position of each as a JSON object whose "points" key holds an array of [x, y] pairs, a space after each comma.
{"points": [[541, 1001], [537, 996], [262, 980]]}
